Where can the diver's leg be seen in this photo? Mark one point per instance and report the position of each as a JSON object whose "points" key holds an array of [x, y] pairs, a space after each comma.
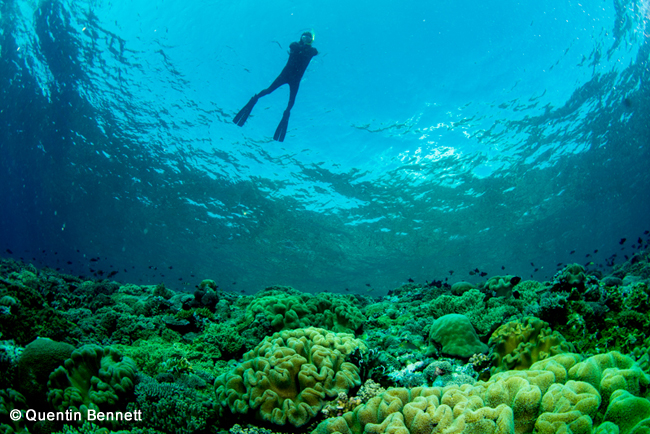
{"points": [[242, 116], [281, 131]]}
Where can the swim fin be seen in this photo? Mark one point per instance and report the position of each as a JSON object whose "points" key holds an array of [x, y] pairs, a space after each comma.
{"points": [[281, 131], [243, 114]]}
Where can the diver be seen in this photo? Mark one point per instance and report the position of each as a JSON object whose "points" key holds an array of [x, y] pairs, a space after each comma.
{"points": [[300, 54]]}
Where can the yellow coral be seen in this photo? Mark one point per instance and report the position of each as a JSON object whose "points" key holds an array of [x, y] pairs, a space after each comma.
{"points": [[519, 344], [545, 400]]}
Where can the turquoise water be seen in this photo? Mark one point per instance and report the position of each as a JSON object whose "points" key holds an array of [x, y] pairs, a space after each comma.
{"points": [[428, 141]]}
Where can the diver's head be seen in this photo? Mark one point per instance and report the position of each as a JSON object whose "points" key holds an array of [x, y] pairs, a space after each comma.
{"points": [[307, 38]]}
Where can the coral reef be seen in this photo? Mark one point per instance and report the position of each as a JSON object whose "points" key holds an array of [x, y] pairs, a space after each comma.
{"points": [[571, 354], [290, 375]]}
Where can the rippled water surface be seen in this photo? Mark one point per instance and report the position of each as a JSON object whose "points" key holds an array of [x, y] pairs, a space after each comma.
{"points": [[429, 142]]}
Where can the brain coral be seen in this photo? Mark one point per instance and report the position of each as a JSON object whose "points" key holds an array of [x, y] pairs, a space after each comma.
{"points": [[545, 399], [92, 378], [289, 376], [519, 344]]}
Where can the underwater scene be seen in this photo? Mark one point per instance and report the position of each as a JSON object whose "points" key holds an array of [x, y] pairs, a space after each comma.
{"points": [[260, 217]]}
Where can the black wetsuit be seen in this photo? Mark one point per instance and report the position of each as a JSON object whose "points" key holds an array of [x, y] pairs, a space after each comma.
{"points": [[300, 55]]}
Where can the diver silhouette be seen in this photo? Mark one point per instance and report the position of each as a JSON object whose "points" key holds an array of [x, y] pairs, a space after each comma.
{"points": [[300, 54]]}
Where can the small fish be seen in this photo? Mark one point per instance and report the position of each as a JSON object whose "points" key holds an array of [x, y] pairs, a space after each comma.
{"points": [[451, 272], [93, 259], [10, 252], [483, 274], [367, 284], [471, 273], [559, 264], [572, 252], [170, 267], [408, 345], [596, 251], [410, 281], [532, 265], [587, 255], [535, 270], [639, 241], [503, 267], [622, 241], [69, 262], [347, 289], [111, 274]]}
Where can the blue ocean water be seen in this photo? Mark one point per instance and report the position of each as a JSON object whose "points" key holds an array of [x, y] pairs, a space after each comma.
{"points": [[429, 141]]}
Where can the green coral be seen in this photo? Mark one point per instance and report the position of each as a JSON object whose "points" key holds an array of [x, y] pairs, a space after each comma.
{"points": [[285, 308], [519, 344], [546, 399], [92, 378], [289, 376], [11, 400], [457, 336]]}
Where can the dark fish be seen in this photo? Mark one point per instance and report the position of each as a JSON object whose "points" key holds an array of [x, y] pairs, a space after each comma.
{"points": [[242, 291], [646, 232], [347, 289], [234, 283], [111, 274], [171, 267], [180, 278], [69, 262], [94, 259], [572, 252], [622, 241], [410, 281], [483, 274], [559, 264], [515, 280], [640, 241], [367, 284], [10, 252], [476, 270], [587, 255], [596, 251], [535, 270], [532, 265], [451, 272], [100, 272], [503, 267], [471, 273]]}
